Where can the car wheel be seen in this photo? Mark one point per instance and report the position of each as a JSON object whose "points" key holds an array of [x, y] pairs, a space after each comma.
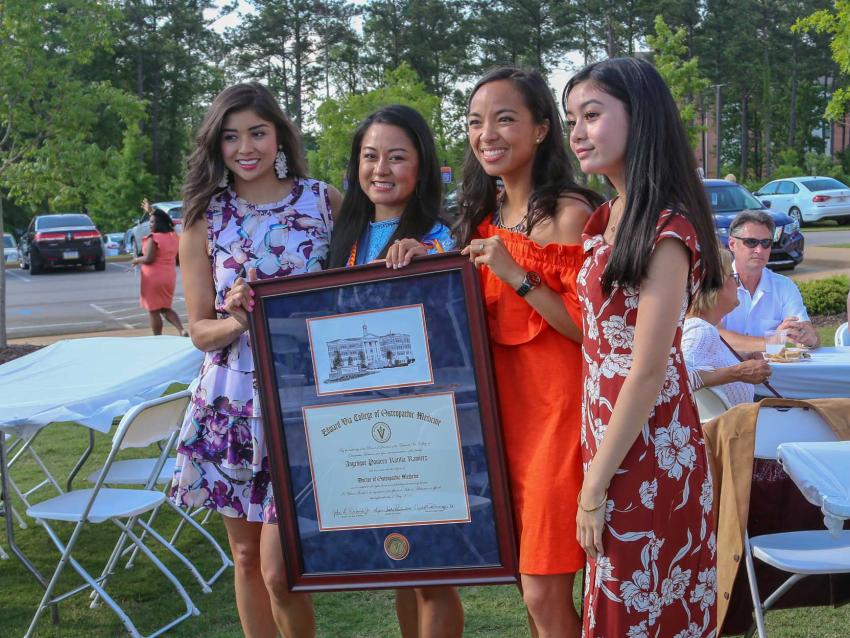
{"points": [[36, 267], [795, 214], [100, 265]]}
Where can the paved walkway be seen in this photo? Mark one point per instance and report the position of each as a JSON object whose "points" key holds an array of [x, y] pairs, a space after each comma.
{"points": [[820, 262]]}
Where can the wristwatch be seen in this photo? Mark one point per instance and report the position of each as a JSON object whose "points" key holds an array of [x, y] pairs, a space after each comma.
{"points": [[529, 283]]}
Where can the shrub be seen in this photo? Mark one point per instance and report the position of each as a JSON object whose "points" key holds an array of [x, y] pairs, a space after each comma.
{"points": [[825, 296]]}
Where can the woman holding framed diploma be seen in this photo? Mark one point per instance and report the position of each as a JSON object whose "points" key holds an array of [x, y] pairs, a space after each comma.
{"points": [[645, 510], [250, 211], [391, 212], [525, 240]]}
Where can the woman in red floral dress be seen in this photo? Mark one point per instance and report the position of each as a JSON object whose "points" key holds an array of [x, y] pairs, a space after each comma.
{"points": [[645, 509]]}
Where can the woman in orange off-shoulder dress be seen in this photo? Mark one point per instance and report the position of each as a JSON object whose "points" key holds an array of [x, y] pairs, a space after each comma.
{"points": [[524, 240]]}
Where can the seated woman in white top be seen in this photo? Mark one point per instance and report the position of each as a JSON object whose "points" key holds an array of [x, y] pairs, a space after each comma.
{"points": [[708, 360]]}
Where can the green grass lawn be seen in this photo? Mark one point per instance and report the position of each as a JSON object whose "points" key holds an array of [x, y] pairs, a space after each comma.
{"points": [[829, 224], [149, 599]]}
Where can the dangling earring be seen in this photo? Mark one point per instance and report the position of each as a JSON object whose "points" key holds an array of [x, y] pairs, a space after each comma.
{"points": [[280, 164], [225, 179]]}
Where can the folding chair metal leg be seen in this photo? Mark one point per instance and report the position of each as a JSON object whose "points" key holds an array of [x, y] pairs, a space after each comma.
{"points": [[754, 591], [189, 564], [223, 555], [95, 584], [187, 519], [3, 554]]}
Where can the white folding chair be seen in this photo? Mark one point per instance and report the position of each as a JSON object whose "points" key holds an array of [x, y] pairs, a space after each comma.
{"points": [[801, 553], [100, 504], [158, 421], [16, 447], [842, 335], [711, 403]]}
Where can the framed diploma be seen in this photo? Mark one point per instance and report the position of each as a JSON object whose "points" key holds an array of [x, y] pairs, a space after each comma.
{"points": [[382, 428]]}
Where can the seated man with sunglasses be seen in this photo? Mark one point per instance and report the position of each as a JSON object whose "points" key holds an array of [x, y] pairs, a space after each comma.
{"points": [[767, 300]]}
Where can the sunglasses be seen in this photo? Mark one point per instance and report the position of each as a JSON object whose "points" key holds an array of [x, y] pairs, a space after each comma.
{"points": [[751, 242]]}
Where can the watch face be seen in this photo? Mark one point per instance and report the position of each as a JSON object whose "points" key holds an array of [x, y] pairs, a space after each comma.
{"points": [[533, 278]]}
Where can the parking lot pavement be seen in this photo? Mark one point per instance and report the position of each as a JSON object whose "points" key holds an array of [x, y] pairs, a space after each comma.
{"points": [[77, 300]]}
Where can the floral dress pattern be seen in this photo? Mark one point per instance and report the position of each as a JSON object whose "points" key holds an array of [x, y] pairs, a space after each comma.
{"points": [[222, 462], [657, 578]]}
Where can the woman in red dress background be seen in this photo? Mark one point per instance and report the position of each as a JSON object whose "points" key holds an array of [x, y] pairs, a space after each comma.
{"points": [[159, 270], [525, 240], [645, 509]]}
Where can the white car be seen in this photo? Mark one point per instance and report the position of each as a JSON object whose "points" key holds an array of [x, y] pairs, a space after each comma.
{"points": [[10, 249], [807, 199], [142, 228]]}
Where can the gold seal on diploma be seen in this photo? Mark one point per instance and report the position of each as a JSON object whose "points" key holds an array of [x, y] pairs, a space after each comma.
{"points": [[396, 546]]}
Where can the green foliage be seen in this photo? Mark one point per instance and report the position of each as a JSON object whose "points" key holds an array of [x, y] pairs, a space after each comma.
{"points": [[115, 201], [682, 75], [338, 119], [837, 25], [51, 113], [825, 296], [789, 165]]}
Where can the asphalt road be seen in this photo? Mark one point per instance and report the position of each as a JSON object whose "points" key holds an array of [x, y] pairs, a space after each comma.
{"points": [[827, 237], [74, 300], [80, 300]]}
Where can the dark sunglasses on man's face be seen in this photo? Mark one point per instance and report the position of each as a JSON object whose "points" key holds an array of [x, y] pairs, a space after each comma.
{"points": [[751, 242]]}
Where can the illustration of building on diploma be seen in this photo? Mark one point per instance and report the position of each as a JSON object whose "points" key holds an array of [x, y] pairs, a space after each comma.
{"points": [[356, 356]]}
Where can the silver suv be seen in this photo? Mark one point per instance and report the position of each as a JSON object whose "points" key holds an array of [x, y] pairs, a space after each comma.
{"points": [[142, 228]]}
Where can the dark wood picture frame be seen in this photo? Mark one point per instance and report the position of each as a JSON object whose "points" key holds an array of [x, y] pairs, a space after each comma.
{"points": [[502, 570]]}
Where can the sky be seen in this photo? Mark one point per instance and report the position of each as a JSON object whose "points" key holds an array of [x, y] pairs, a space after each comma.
{"points": [[557, 78]]}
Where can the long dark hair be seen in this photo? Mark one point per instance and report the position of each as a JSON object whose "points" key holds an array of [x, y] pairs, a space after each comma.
{"points": [[661, 171], [162, 222], [422, 210], [551, 173], [206, 165]]}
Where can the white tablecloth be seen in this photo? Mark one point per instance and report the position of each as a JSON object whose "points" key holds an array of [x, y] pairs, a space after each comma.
{"points": [[822, 473], [825, 375], [91, 381]]}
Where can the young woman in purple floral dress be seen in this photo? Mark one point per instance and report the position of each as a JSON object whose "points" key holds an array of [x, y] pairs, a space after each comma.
{"points": [[249, 212]]}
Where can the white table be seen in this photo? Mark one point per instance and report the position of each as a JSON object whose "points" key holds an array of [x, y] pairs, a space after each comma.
{"points": [[89, 382], [825, 375], [822, 473]]}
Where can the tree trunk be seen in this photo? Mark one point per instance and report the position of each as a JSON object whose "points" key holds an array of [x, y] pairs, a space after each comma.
{"points": [[745, 138], [795, 81], [2, 286]]}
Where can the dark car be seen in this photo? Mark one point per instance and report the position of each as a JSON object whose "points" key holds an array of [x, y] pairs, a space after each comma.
{"points": [[727, 199], [60, 240]]}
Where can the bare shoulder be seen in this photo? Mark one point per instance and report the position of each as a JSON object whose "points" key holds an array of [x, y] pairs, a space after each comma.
{"points": [[336, 201], [571, 214]]}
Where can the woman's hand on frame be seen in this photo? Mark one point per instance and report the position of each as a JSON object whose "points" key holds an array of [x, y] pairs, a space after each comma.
{"points": [[491, 252], [402, 251], [239, 300]]}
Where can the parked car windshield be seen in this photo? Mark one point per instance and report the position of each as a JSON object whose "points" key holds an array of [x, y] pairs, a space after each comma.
{"points": [[176, 212], [61, 221], [730, 199], [8, 241], [116, 237], [823, 184]]}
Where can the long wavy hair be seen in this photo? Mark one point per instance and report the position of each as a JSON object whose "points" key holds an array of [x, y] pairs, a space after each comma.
{"points": [[551, 173], [661, 171], [206, 164], [423, 208]]}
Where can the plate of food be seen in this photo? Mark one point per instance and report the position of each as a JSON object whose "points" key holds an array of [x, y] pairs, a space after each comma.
{"points": [[789, 355]]}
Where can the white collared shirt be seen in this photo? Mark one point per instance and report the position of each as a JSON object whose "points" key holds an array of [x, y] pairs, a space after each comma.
{"points": [[776, 297]]}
